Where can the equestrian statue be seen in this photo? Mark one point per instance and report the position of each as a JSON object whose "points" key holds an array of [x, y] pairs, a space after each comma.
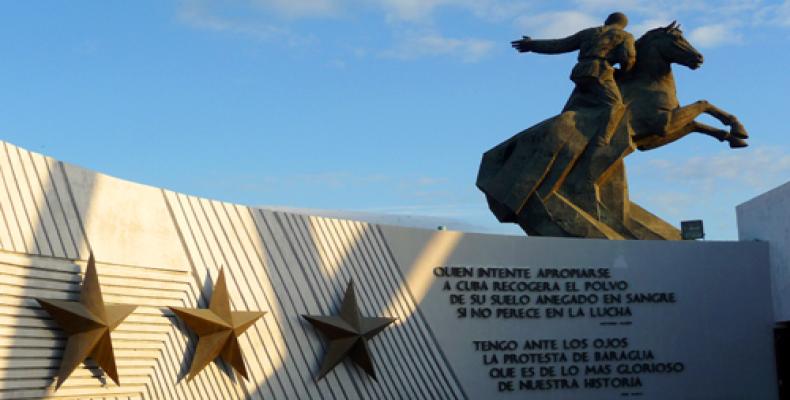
{"points": [[565, 176]]}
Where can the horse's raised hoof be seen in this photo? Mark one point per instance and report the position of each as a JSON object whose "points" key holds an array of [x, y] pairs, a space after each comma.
{"points": [[736, 143], [737, 130]]}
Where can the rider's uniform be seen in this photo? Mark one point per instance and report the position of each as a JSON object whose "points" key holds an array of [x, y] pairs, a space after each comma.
{"points": [[599, 48]]}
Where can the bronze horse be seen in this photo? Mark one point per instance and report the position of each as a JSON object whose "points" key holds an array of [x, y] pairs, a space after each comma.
{"points": [[549, 181], [649, 93]]}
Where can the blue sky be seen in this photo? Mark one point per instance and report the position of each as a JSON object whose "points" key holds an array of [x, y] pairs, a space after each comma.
{"points": [[376, 105]]}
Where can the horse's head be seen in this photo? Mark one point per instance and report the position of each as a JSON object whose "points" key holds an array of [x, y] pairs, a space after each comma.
{"points": [[669, 43]]}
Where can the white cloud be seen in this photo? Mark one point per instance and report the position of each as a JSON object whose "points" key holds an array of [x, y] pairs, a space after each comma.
{"points": [[422, 10], [411, 9], [720, 22], [337, 63], [638, 29], [755, 169], [605, 5], [413, 186], [402, 10], [672, 205], [302, 8], [777, 15], [783, 14], [195, 14], [714, 35], [723, 23], [416, 46], [200, 14], [658, 8], [556, 24], [709, 186]]}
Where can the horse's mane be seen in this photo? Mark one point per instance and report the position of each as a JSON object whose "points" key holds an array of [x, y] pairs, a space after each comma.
{"points": [[652, 34], [644, 41]]}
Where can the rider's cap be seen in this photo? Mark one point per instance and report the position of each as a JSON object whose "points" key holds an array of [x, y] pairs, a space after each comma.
{"points": [[617, 18]]}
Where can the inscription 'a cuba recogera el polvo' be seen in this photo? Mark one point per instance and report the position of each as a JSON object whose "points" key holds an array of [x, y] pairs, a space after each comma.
{"points": [[533, 293]]}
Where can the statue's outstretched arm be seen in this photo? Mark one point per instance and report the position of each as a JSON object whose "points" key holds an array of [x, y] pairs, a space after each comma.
{"points": [[549, 46]]}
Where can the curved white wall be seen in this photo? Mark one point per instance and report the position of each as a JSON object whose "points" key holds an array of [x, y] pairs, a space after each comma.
{"points": [[156, 248]]}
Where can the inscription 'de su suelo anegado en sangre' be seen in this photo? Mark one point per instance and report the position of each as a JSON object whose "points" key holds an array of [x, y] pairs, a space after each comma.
{"points": [[524, 293]]}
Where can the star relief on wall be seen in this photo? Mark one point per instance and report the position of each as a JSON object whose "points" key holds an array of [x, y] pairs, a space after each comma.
{"points": [[348, 333], [87, 323], [218, 329]]}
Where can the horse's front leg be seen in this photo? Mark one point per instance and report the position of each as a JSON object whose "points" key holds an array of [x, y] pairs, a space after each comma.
{"points": [[654, 141], [666, 126], [680, 121], [720, 134], [736, 128]]}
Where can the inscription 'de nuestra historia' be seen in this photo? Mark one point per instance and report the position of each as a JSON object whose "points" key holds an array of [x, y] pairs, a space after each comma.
{"points": [[543, 364]]}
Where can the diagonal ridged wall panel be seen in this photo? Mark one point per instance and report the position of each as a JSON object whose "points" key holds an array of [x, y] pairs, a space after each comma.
{"points": [[37, 213], [219, 235], [332, 252], [31, 344], [155, 249], [291, 265]]}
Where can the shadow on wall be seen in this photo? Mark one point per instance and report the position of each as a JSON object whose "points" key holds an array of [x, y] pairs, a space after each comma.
{"points": [[324, 255], [44, 205], [290, 265], [39, 218], [285, 264]]}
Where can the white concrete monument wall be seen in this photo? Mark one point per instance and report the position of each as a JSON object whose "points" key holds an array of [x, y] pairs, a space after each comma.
{"points": [[156, 248], [713, 341], [767, 218], [701, 310]]}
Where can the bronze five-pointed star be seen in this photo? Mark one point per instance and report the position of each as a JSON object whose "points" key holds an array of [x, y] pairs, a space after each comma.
{"points": [[348, 334], [218, 329], [88, 324]]}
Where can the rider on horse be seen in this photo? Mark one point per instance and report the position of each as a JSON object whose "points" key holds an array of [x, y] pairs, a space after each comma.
{"points": [[599, 48], [565, 175]]}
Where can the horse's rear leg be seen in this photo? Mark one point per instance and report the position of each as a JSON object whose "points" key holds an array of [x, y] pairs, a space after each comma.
{"points": [[654, 141]]}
